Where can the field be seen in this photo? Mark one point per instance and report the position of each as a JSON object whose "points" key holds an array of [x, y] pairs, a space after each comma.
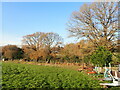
{"points": [[38, 76]]}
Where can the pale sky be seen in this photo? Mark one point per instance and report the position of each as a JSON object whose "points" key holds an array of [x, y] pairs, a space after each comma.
{"points": [[23, 18]]}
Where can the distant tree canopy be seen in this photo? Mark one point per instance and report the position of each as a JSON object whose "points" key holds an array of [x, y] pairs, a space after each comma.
{"points": [[0, 52], [42, 40], [78, 50], [41, 45], [97, 22], [12, 52]]}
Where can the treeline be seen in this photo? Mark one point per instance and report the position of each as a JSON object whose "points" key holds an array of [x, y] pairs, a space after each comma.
{"points": [[96, 22], [81, 52]]}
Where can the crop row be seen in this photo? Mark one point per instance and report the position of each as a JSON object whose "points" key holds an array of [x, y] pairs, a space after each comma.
{"points": [[34, 76]]}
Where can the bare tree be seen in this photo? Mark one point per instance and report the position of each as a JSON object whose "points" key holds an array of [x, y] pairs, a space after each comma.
{"points": [[97, 22], [51, 39], [41, 40], [33, 40], [40, 44]]}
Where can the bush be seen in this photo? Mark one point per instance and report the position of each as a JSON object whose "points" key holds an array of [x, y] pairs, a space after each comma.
{"points": [[12, 52], [101, 56], [66, 58], [87, 59], [116, 58]]}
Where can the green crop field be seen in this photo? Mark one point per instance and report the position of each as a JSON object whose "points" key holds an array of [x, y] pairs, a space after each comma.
{"points": [[36, 76]]}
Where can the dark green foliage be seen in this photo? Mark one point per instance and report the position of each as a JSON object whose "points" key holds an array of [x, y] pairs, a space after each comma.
{"points": [[116, 58], [75, 59], [66, 58], [101, 56], [87, 59], [19, 54], [33, 76]]}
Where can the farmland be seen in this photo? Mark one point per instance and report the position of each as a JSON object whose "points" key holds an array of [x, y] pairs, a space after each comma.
{"points": [[16, 75], [47, 47]]}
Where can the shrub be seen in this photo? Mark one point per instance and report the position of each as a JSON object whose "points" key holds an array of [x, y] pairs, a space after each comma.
{"points": [[12, 52], [87, 59], [116, 58], [101, 56]]}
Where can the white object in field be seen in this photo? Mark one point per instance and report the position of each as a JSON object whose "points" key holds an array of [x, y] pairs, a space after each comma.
{"points": [[109, 66], [3, 59], [107, 73], [116, 80], [108, 79], [110, 84], [119, 68]]}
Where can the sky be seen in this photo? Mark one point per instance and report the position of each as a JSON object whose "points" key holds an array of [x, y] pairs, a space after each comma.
{"points": [[23, 18]]}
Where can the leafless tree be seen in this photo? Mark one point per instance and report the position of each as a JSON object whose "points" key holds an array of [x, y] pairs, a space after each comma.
{"points": [[42, 40], [97, 22], [40, 44]]}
